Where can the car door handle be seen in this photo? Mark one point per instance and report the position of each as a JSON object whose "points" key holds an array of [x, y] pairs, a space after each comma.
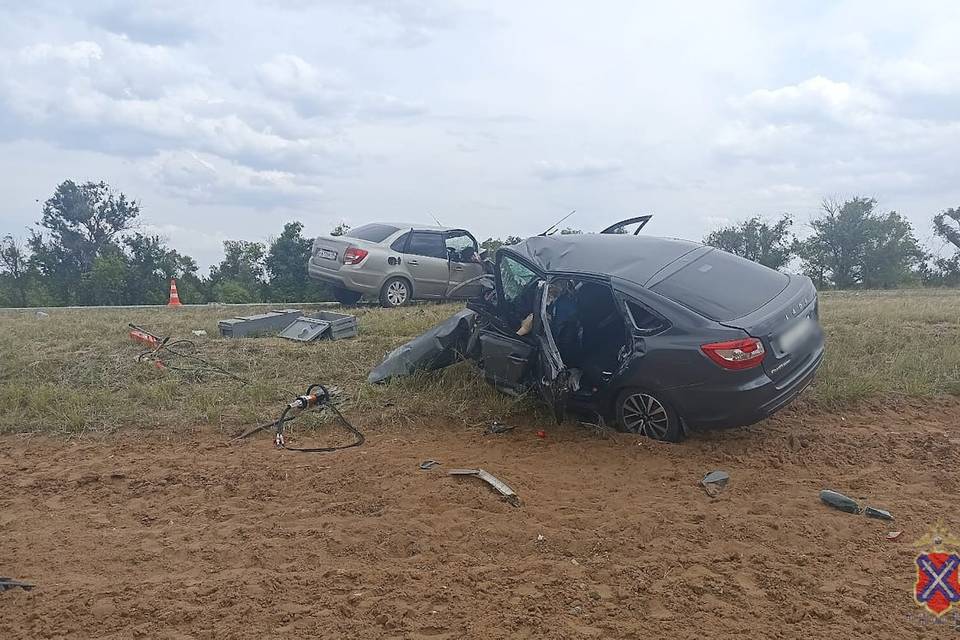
{"points": [[516, 357], [458, 268], [413, 262]]}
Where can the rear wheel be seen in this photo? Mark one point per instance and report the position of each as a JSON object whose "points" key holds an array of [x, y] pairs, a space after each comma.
{"points": [[395, 292], [641, 412], [346, 296]]}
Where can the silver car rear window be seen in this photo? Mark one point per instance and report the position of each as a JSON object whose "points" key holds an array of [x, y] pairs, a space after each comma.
{"points": [[722, 286], [372, 232]]}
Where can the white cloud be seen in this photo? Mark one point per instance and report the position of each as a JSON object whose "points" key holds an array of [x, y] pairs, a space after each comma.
{"points": [[585, 168]]}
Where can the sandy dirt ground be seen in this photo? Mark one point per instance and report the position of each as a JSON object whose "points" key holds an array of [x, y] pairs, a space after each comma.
{"points": [[143, 536]]}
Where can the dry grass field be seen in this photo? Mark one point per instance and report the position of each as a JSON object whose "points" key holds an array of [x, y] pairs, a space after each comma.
{"points": [[77, 370]]}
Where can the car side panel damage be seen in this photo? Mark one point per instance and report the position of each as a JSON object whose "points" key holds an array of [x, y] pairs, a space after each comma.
{"points": [[444, 344], [579, 321]]}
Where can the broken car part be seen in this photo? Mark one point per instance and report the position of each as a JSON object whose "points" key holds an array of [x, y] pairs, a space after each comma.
{"points": [[879, 514], [839, 501], [163, 351], [257, 325], [492, 480], [498, 427], [714, 482], [320, 325], [441, 346], [315, 397], [10, 583], [893, 536], [426, 465]]}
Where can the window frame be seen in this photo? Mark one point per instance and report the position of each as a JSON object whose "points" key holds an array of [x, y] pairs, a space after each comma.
{"points": [[435, 234], [638, 330]]}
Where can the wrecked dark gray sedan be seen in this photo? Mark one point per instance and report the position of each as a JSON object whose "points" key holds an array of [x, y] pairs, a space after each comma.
{"points": [[656, 335]]}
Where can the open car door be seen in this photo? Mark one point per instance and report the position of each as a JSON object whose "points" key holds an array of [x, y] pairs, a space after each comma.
{"points": [[554, 381]]}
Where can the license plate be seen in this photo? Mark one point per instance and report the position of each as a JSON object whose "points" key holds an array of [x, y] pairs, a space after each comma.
{"points": [[327, 253], [795, 335]]}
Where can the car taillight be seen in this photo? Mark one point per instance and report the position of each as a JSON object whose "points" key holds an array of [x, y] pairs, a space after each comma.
{"points": [[354, 256], [736, 354]]}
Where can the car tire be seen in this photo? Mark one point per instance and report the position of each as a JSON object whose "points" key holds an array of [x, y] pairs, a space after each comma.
{"points": [[644, 413], [395, 292], [346, 296]]}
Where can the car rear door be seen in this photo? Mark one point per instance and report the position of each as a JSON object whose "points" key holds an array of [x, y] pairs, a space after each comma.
{"points": [[426, 260]]}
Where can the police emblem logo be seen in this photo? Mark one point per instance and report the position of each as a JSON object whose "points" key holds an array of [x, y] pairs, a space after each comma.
{"points": [[937, 587]]}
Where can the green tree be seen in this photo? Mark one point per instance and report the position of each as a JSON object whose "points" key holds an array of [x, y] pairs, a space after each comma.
{"points": [[242, 267], [151, 265], [107, 279], [15, 269], [340, 229], [853, 245], [570, 231], [286, 265], [946, 270], [79, 223], [769, 243], [491, 245]]}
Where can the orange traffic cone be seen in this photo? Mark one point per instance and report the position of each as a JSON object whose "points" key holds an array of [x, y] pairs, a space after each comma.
{"points": [[174, 296]]}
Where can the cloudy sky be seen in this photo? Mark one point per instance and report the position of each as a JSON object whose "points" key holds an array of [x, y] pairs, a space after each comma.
{"points": [[227, 119]]}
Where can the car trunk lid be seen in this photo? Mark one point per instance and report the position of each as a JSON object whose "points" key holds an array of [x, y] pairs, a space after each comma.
{"points": [[788, 326], [328, 250]]}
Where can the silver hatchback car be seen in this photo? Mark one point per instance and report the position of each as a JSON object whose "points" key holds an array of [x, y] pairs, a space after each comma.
{"points": [[398, 262]]}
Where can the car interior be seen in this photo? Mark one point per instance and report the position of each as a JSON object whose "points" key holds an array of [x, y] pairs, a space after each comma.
{"points": [[587, 327], [583, 317]]}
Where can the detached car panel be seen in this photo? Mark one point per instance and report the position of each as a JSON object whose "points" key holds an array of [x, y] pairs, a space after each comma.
{"points": [[657, 335]]}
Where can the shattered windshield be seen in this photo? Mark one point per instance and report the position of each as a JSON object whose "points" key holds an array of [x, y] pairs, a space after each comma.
{"points": [[514, 277]]}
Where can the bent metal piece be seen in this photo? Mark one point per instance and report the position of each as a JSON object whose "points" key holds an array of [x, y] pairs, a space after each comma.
{"points": [[10, 583], [492, 480]]}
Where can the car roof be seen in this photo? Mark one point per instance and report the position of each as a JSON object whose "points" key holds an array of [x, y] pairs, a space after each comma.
{"points": [[633, 258], [417, 226]]}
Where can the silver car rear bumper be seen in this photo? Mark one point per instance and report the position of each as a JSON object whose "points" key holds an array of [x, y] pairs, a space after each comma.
{"points": [[346, 277]]}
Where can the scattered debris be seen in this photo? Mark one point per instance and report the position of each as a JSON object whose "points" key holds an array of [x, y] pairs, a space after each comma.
{"points": [[163, 351], [42, 314], [714, 482], [320, 325], [10, 583], [498, 427], [257, 325], [441, 346], [309, 400], [893, 536], [199, 332], [839, 501], [541, 433], [879, 514], [429, 464], [540, 537], [490, 479], [144, 337]]}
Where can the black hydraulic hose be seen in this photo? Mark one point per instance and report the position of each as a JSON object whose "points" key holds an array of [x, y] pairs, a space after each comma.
{"points": [[303, 403]]}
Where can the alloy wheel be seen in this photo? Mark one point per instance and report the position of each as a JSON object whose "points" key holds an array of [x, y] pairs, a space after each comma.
{"points": [[644, 414], [397, 293]]}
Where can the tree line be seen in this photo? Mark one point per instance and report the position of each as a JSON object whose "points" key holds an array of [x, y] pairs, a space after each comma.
{"points": [[853, 245], [86, 250]]}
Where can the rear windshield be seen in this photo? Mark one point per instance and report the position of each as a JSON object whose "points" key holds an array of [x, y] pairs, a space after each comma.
{"points": [[372, 232], [722, 286]]}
